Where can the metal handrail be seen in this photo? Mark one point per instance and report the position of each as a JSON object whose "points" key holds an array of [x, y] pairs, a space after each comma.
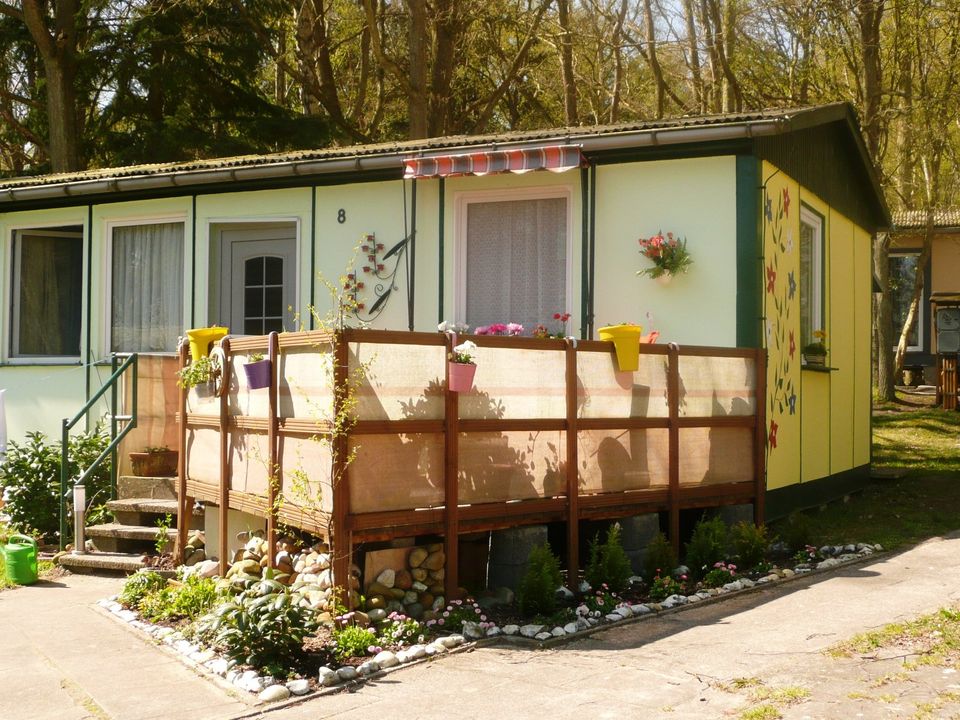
{"points": [[115, 435]]}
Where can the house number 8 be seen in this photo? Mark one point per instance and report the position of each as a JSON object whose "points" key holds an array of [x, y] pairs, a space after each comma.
{"points": [[341, 216]]}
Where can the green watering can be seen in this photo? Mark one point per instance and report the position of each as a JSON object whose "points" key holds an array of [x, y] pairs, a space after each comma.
{"points": [[20, 556]]}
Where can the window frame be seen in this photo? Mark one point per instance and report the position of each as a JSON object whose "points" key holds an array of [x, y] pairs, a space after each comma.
{"points": [[462, 201], [921, 315], [809, 216], [107, 317], [11, 316]]}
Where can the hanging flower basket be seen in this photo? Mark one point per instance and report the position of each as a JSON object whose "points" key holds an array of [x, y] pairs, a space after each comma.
{"points": [[258, 374], [461, 376], [626, 342], [202, 338]]}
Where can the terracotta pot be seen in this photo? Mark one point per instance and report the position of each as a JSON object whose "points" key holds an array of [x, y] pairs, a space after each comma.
{"points": [[258, 374], [461, 376], [160, 463]]}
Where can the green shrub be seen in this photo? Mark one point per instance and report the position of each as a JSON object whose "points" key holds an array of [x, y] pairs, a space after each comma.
{"points": [[399, 630], [353, 641], [537, 594], [455, 614], [663, 586], [262, 627], [609, 563], [708, 545], [190, 599], [31, 476], [720, 574], [750, 544], [661, 559], [795, 531], [138, 586]]}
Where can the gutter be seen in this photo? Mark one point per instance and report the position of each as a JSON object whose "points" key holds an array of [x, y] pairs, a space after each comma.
{"points": [[392, 160]]}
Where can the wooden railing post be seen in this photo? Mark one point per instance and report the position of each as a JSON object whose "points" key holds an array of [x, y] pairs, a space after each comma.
{"points": [[673, 400], [184, 503], [573, 479], [273, 475], [340, 545], [451, 479], [224, 457], [760, 439]]}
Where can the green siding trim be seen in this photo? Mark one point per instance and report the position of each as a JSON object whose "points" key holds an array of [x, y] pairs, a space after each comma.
{"points": [[802, 496], [749, 252]]}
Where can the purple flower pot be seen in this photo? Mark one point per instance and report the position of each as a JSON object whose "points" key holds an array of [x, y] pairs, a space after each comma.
{"points": [[258, 374], [461, 376]]}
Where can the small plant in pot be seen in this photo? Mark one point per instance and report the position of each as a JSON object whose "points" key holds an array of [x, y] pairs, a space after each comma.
{"points": [[815, 353], [462, 367], [257, 370], [154, 462], [199, 372]]}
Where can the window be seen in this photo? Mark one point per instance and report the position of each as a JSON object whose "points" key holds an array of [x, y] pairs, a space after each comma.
{"points": [[47, 298], [514, 260], [262, 295], [903, 274], [147, 287], [811, 275]]}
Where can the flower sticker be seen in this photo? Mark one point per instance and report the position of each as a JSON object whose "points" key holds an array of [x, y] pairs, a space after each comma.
{"points": [[793, 345], [773, 433], [768, 208], [792, 402], [771, 278], [786, 202], [792, 283]]}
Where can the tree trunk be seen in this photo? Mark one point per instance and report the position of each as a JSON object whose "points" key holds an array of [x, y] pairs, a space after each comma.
{"points": [[693, 61], [417, 106], [614, 115], [869, 17], [651, 36], [570, 111], [884, 319]]}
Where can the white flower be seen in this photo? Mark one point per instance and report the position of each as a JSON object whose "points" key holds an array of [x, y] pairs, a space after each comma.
{"points": [[465, 347]]}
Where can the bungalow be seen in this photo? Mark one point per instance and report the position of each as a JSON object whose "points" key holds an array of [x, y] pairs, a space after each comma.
{"points": [[778, 209]]}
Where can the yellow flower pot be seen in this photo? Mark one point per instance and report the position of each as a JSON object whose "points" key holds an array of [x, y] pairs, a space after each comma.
{"points": [[626, 341], [202, 338]]}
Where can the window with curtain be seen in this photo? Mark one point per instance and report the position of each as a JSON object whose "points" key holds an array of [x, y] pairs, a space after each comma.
{"points": [[516, 261], [903, 277], [47, 293], [811, 275], [147, 282]]}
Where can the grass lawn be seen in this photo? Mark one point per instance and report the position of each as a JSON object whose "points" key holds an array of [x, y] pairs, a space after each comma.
{"points": [[923, 440]]}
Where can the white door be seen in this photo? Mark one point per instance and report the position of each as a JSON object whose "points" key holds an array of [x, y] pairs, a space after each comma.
{"points": [[258, 279]]}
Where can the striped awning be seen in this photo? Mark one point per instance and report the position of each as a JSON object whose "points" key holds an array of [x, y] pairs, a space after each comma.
{"points": [[556, 158]]}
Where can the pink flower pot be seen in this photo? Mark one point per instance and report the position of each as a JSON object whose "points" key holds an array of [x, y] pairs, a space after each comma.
{"points": [[258, 374], [461, 376]]}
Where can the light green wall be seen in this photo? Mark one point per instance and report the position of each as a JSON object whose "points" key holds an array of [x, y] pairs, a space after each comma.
{"points": [[694, 198]]}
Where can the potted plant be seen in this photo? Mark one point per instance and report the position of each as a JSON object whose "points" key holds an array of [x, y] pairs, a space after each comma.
{"points": [[154, 462], [815, 353], [626, 341], [668, 254], [257, 370], [461, 367], [198, 372]]}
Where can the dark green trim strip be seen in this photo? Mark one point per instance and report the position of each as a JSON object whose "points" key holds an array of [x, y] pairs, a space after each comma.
{"points": [[749, 251], [593, 249], [801, 496], [441, 189], [313, 255], [88, 354], [584, 250], [411, 293], [193, 261]]}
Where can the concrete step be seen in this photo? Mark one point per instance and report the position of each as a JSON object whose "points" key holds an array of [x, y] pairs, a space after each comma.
{"points": [[134, 486], [101, 562], [115, 537], [146, 512]]}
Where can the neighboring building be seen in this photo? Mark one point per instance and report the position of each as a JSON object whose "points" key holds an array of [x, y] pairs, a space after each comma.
{"points": [[778, 209], [941, 280]]}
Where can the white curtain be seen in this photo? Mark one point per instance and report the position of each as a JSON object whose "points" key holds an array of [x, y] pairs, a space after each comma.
{"points": [[147, 297], [516, 261]]}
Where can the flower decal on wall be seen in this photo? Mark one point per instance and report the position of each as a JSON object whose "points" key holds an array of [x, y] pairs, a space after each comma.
{"points": [[791, 285], [786, 202], [772, 438], [771, 278], [792, 403], [793, 345]]}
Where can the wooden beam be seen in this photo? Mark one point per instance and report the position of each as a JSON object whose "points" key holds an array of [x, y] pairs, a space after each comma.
{"points": [[340, 544], [451, 481], [760, 440], [273, 471], [573, 466], [673, 401], [184, 502], [224, 460]]}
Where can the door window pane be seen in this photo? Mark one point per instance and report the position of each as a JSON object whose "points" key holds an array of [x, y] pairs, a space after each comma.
{"points": [[903, 276], [147, 302], [47, 292], [811, 276], [516, 261], [263, 295]]}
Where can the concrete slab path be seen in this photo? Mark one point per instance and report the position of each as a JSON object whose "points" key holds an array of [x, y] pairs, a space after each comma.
{"points": [[62, 658]]}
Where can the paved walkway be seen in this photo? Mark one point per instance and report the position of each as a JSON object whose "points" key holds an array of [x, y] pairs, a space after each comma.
{"points": [[61, 658]]}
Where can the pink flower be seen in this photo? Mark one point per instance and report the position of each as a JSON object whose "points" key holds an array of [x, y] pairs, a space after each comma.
{"points": [[514, 328], [483, 330], [483, 618], [440, 621]]}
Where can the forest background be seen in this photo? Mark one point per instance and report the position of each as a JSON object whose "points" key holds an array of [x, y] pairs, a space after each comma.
{"points": [[96, 83]]}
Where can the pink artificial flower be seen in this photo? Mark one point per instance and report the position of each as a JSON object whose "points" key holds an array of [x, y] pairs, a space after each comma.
{"points": [[497, 329], [483, 330], [514, 328]]}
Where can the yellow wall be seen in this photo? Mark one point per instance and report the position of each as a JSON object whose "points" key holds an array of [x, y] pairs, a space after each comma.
{"points": [[821, 419]]}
